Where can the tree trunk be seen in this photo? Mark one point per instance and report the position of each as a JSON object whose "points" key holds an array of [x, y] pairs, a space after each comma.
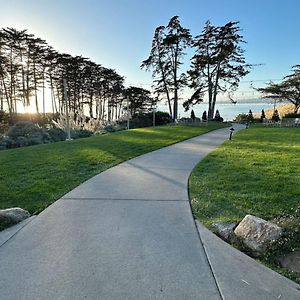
{"points": [[175, 105], [175, 67], [35, 88], [44, 104], [9, 103], [165, 85], [91, 106], [1, 98]]}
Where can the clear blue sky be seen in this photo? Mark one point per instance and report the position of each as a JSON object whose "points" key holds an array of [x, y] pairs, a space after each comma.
{"points": [[118, 33]]}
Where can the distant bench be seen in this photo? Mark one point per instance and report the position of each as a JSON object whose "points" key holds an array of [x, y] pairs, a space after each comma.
{"points": [[190, 121], [270, 122], [288, 122]]}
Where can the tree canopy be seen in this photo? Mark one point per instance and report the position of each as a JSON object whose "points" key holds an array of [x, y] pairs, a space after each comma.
{"points": [[165, 58], [287, 90], [140, 100], [218, 64], [29, 66]]}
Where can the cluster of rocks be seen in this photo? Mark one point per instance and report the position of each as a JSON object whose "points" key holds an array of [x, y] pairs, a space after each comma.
{"points": [[13, 216], [257, 234]]}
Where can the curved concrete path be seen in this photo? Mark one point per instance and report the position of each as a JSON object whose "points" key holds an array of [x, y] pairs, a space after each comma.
{"points": [[128, 233]]}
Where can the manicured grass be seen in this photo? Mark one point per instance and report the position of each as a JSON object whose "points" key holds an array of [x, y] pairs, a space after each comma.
{"points": [[34, 177], [258, 173]]}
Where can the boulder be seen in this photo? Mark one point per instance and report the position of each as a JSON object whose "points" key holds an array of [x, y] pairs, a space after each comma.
{"points": [[291, 261], [224, 229], [13, 215], [257, 233]]}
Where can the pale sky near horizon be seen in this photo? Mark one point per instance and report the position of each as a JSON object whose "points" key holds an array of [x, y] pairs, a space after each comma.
{"points": [[118, 33]]}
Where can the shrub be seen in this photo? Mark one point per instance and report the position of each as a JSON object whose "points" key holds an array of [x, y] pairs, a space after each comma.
{"points": [[25, 133], [241, 118], [78, 134], [218, 118], [292, 115], [109, 128], [26, 129], [162, 118], [141, 120], [262, 116], [250, 116], [57, 134], [275, 116], [146, 119]]}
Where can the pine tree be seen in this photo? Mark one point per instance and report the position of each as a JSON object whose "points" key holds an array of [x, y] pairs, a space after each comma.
{"points": [[193, 117], [262, 116]]}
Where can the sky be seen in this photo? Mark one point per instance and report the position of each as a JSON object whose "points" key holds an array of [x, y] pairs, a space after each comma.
{"points": [[118, 33]]}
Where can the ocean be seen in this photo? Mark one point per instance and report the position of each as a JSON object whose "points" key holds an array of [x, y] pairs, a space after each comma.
{"points": [[228, 111]]}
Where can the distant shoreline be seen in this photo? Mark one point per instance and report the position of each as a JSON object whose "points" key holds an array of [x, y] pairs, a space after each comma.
{"points": [[283, 109]]}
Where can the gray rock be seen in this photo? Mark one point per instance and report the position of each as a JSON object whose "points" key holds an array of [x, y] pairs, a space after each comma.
{"points": [[13, 215], [291, 261], [257, 233], [224, 229]]}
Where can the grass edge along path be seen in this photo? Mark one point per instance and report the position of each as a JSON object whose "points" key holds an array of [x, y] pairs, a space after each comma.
{"points": [[256, 173], [34, 177]]}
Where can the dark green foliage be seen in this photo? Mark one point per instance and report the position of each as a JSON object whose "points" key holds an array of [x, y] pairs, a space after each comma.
{"points": [[139, 99], [250, 116], [275, 116], [109, 128], [262, 116], [292, 115], [165, 59], [241, 118], [193, 117], [78, 134], [29, 66], [218, 64], [57, 134], [218, 117], [26, 133], [140, 120], [162, 118], [287, 90]]}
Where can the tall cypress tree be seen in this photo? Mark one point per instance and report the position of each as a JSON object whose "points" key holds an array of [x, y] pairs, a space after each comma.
{"points": [[165, 58], [218, 64]]}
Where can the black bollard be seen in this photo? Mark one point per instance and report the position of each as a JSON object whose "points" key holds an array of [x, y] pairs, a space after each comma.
{"points": [[231, 132]]}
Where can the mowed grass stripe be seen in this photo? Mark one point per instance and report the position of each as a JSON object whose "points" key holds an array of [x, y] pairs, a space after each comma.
{"points": [[34, 177]]}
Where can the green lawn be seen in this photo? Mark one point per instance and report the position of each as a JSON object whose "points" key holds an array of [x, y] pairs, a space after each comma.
{"points": [[258, 173], [34, 177]]}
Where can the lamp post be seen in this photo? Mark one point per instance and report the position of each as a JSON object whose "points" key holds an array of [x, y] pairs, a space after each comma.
{"points": [[231, 132]]}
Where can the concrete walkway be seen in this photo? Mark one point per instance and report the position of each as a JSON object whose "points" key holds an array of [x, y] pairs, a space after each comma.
{"points": [[128, 233]]}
